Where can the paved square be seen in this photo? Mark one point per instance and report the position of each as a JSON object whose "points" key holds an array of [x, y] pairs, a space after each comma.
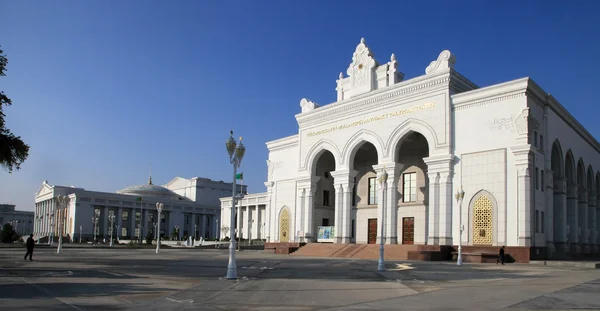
{"points": [[191, 279]]}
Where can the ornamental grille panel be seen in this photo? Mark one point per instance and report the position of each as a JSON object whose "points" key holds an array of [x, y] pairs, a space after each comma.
{"points": [[284, 226], [482, 221]]}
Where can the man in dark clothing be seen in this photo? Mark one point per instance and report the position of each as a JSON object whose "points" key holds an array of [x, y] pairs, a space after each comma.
{"points": [[501, 256], [30, 244]]}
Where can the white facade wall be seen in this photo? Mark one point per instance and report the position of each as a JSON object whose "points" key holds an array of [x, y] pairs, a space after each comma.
{"points": [[494, 142]]}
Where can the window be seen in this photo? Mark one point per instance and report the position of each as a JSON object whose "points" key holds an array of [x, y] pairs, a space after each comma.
{"points": [[138, 216], [542, 222], [325, 198], [535, 138], [542, 142], [186, 219], [537, 217], [372, 191], [123, 231], [542, 179], [410, 187], [125, 216], [537, 179]]}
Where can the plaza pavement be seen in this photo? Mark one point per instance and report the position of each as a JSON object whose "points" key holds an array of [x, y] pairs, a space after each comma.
{"points": [[191, 279]]}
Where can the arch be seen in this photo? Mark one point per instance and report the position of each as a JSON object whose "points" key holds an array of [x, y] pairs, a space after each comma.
{"points": [[597, 184], [590, 182], [570, 168], [581, 179], [310, 161], [284, 224], [357, 140], [410, 125], [556, 160], [482, 207]]}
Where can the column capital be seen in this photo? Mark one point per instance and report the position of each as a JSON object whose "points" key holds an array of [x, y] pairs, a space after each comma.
{"points": [[443, 162], [343, 176]]}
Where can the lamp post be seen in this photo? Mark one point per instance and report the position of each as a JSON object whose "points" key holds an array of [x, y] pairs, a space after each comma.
{"points": [[95, 222], [155, 231], [383, 183], [51, 234], [159, 207], [51, 239], [63, 203], [39, 228], [111, 218], [236, 153], [460, 194]]}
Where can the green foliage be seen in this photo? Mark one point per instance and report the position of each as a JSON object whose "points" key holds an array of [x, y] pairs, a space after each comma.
{"points": [[13, 151], [8, 234]]}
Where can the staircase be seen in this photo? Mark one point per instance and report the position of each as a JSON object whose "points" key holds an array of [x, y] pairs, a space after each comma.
{"points": [[360, 251]]}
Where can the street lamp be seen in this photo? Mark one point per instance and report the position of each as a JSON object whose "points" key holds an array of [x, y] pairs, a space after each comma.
{"points": [[111, 218], [63, 203], [460, 194], [236, 153], [159, 207], [51, 239], [155, 231], [95, 222], [383, 183]]}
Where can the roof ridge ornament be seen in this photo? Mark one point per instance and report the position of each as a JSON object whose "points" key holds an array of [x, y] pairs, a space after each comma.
{"points": [[150, 179], [444, 61], [308, 105]]}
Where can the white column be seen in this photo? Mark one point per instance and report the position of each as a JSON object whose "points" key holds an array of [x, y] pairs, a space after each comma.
{"points": [[104, 217], [582, 218], [560, 215], [119, 222], [339, 205], [592, 223], [309, 191], [347, 212], [391, 217], [432, 221], [269, 208], [572, 218], [302, 209], [549, 211], [203, 225], [381, 219], [445, 208]]}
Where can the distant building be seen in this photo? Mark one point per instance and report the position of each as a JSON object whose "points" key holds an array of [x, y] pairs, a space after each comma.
{"points": [[191, 208], [20, 220]]}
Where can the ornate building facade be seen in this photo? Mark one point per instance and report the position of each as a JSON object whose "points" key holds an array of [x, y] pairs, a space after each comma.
{"points": [[191, 208], [529, 171]]}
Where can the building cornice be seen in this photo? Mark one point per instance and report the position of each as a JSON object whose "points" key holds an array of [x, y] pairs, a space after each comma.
{"points": [[368, 101], [282, 143]]}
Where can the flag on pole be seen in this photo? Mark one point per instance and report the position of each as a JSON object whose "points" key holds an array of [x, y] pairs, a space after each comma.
{"points": [[240, 176]]}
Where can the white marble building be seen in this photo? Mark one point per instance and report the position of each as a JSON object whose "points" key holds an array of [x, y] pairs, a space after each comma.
{"points": [[529, 170], [191, 208], [22, 221]]}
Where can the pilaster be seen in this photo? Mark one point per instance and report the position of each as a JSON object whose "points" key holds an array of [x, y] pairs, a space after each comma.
{"points": [[268, 210], [549, 210], [560, 215], [342, 179], [445, 208], [524, 163], [432, 212], [439, 209], [591, 218], [573, 218], [582, 219]]}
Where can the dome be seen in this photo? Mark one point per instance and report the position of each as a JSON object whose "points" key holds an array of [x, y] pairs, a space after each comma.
{"points": [[149, 190]]}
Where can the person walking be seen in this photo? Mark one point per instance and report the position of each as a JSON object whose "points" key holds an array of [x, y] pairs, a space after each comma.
{"points": [[501, 256], [30, 245]]}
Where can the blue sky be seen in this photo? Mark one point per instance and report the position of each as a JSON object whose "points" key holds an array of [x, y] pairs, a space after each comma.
{"points": [[101, 90]]}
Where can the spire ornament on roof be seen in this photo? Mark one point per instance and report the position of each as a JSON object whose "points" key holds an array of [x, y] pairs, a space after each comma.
{"points": [[150, 179]]}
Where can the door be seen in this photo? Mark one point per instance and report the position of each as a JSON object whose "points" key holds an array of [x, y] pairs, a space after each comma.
{"points": [[408, 230], [284, 226], [372, 233]]}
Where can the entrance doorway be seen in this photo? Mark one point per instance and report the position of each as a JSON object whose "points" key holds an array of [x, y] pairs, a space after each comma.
{"points": [[372, 233], [408, 230]]}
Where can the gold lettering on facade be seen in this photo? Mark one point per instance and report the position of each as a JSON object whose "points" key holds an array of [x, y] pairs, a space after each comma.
{"points": [[373, 119]]}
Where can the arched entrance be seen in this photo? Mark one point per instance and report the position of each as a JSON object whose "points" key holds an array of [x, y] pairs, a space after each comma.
{"points": [[412, 183], [324, 197], [365, 194], [284, 225], [572, 202], [559, 200]]}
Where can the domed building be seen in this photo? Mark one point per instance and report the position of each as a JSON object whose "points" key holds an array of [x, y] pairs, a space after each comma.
{"points": [[191, 207]]}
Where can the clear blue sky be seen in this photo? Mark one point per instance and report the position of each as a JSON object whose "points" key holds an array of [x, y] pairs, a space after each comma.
{"points": [[103, 89]]}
